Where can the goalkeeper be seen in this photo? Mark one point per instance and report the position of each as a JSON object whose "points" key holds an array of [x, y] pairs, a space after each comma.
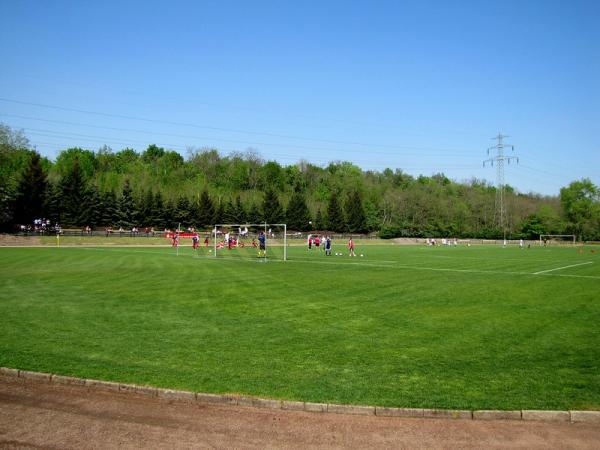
{"points": [[262, 244]]}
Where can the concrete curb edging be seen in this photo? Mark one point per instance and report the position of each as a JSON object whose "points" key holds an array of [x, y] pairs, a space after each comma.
{"points": [[585, 416], [497, 415], [447, 414], [351, 409], [546, 416], [399, 412], [591, 417]]}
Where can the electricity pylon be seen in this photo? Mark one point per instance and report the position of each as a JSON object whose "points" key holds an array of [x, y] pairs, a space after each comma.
{"points": [[499, 159]]}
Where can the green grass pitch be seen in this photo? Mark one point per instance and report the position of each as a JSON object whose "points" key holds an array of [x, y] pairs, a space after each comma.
{"points": [[475, 327]]}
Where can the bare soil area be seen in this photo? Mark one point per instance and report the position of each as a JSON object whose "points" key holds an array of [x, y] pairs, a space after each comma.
{"points": [[12, 240], [41, 415]]}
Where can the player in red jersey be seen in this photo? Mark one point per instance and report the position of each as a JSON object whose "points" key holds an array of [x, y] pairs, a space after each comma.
{"points": [[351, 247]]}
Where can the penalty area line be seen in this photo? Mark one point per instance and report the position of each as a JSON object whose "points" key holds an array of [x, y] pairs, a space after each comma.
{"points": [[438, 269], [563, 267]]}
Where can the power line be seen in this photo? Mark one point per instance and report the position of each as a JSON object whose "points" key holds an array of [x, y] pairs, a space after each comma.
{"points": [[234, 141], [178, 101], [230, 130], [365, 164]]}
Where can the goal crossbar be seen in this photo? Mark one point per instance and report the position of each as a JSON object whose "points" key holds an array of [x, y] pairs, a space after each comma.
{"points": [[543, 237]]}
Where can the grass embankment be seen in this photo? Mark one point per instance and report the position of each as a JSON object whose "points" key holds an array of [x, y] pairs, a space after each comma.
{"points": [[403, 326]]}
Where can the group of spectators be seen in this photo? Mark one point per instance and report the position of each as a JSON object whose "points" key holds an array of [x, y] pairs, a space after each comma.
{"points": [[41, 226]]}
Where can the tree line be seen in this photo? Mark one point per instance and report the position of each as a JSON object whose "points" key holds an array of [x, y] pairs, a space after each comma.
{"points": [[159, 188]]}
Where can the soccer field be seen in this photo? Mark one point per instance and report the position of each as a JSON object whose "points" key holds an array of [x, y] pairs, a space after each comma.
{"points": [[480, 327]]}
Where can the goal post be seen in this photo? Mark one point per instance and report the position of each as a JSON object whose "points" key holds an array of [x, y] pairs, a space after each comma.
{"points": [[557, 239], [243, 240]]}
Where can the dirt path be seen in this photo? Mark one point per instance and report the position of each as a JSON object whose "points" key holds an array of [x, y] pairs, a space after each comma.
{"points": [[9, 240], [40, 415]]}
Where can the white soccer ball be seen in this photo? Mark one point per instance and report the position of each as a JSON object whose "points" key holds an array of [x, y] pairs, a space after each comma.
{"points": [[361, 255]]}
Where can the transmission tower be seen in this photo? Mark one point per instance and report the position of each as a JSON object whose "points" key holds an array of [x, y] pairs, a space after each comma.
{"points": [[499, 160]]}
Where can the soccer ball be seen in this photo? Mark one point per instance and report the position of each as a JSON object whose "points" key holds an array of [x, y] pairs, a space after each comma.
{"points": [[210, 251], [361, 255]]}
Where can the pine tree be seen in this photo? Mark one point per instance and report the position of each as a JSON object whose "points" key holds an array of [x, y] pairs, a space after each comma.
{"points": [[109, 209], [146, 209], [7, 200], [183, 211], [219, 213], [72, 195], [91, 209], [158, 212], [194, 212], [126, 208], [230, 213], [86, 207], [52, 204], [169, 215], [297, 214], [253, 215], [31, 192], [272, 210], [320, 222], [335, 216], [206, 213], [242, 215], [355, 213]]}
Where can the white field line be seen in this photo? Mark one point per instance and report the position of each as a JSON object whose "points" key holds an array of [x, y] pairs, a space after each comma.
{"points": [[463, 257], [440, 269], [561, 268], [391, 264]]}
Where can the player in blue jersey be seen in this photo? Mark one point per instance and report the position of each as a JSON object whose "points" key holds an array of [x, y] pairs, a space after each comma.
{"points": [[262, 244]]}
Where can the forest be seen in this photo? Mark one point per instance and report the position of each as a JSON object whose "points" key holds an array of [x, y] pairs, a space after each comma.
{"points": [[160, 188]]}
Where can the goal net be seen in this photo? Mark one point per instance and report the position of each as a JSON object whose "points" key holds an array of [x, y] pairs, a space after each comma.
{"points": [[557, 239], [245, 241]]}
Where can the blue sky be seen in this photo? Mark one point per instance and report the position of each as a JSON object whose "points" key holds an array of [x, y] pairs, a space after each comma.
{"points": [[420, 86]]}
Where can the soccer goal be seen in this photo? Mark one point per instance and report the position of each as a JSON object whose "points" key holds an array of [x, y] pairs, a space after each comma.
{"points": [[262, 241], [560, 239]]}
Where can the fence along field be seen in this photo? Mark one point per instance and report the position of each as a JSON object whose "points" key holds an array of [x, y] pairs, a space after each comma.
{"points": [[478, 327]]}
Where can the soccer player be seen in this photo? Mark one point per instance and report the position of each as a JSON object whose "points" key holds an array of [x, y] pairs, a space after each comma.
{"points": [[175, 240], [327, 246], [195, 241], [317, 241], [310, 241], [262, 244], [206, 241], [521, 243], [351, 247]]}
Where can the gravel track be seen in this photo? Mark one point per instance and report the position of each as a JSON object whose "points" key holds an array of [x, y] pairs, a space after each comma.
{"points": [[41, 415]]}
